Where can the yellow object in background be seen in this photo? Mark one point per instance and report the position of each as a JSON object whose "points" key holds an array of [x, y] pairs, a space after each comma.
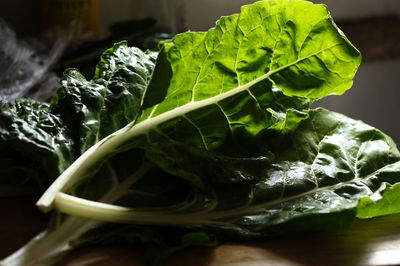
{"points": [[62, 12]]}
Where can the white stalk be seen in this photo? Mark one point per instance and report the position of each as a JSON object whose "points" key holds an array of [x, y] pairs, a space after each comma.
{"points": [[117, 214]]}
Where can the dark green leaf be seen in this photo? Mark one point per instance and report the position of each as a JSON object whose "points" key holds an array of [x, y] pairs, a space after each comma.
{"points": [[34, 147], [93, 109]]}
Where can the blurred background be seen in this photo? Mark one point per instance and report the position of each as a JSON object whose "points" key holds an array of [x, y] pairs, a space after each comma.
{"points": [[39, 39]]}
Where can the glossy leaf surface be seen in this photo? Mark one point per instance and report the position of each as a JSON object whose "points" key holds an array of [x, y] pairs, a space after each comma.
{"points": [[93, 109], [34, 147], [39, 141]]}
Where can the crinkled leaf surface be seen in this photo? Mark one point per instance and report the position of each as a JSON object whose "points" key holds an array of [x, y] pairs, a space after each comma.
{"points": [[39, 141], [94, 109], [384, 203], [34, 147], [35, 134]]}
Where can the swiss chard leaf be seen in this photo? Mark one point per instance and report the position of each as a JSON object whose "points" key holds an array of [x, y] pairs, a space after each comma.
{"points": [[35, 134], [292, 44], [241, 73], [224, 142], [94, 109], [237, 74], [34, 147], [39, 141], [319, 175]]}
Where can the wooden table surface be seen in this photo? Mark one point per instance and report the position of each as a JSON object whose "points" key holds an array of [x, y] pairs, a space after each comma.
{"points": [[369, 242]]}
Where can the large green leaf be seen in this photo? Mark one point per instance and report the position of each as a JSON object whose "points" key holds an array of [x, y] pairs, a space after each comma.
{"points": [[241, 73], [292, 44], [235, 73], [328, 171]]}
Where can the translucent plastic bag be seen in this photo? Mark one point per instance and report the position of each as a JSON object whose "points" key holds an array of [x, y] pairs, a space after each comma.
{"points": [[23, 64]]}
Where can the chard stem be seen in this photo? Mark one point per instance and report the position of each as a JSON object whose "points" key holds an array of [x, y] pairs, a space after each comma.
{"points": [[117, 214], [106, 212], [79, 169]]}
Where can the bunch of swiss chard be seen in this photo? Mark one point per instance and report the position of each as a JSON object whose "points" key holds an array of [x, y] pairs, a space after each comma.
{"points": [[211, 138]]}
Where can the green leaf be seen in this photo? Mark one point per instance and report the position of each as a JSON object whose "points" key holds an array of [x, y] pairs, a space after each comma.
{"points": [[34, 147], [293, 44], [93, 109], [236, 74], [383, 202], [320, 174], [38, 141], [241, 73], [323, 175]]}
